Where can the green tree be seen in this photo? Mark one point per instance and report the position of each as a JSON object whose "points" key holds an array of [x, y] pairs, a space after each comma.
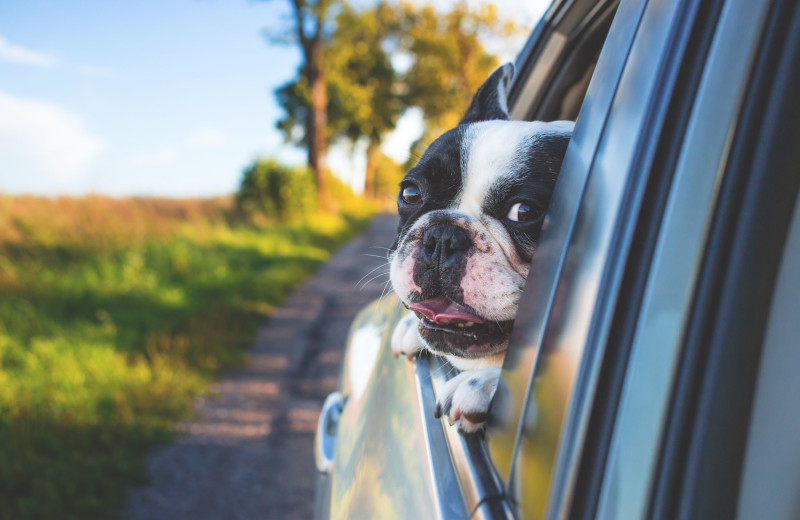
{"points": [[366, 94], [448, 60], [388, 175], [363, 89], [311, 31]]}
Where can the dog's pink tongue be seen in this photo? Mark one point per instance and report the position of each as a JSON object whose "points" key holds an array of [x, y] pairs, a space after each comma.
{"points": [[442, 311]]}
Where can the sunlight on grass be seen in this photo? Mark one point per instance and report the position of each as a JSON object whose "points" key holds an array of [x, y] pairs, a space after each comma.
{"points": [[114, 314]]}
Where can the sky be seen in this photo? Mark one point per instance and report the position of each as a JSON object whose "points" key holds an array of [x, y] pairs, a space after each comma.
{"points": [[153, 97]]}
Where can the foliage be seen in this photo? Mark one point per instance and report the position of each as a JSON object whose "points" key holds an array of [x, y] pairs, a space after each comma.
{"points": [[450, 60], [367, 93], [115, 313], [311, 31], [362, 85], [388, 175], [277, 190], [274, 192]]}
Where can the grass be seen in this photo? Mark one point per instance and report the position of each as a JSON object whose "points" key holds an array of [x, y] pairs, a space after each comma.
{"points": [[114, 313]]}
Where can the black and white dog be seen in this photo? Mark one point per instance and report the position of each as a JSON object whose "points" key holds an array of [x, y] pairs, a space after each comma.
{"points": [[470, 215]]}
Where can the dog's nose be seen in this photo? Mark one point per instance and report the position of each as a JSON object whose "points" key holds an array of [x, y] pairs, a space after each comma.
{"points": [[442, 245]]}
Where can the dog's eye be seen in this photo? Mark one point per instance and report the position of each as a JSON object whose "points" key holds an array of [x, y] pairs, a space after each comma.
{"points": [[521, 212], [411, 194]]}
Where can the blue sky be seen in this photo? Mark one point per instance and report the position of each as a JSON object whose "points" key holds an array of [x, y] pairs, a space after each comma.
{"points": [[169, 98]]}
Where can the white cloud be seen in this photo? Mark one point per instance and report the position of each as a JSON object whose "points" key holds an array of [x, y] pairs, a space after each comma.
{"points": [[19, 54], [40, 138]]}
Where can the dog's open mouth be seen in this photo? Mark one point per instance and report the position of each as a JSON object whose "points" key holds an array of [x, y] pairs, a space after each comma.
{"points": [[462, 330]]}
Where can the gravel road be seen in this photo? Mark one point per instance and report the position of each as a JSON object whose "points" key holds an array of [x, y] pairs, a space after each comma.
{"points": [[249, 453]]}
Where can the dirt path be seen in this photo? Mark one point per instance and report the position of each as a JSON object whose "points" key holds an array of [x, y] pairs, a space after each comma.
{"points": [[249, 454]]}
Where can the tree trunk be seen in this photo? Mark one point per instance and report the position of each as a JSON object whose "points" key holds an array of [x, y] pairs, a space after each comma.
{"points": [[317, 120], [369, 171]]}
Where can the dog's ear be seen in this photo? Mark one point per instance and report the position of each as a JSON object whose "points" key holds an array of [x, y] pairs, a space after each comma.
{"points": [[491, 100]]}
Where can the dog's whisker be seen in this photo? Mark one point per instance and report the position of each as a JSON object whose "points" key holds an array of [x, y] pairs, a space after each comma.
{"points": [[373, 278], [378, 305], [372, 271], [384, 292], [374, 256]]}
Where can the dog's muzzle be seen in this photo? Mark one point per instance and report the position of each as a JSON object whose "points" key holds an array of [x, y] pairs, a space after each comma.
{"points": [[443, 245]]}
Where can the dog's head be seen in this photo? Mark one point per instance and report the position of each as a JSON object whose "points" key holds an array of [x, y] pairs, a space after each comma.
{"points": [[470, 214]]}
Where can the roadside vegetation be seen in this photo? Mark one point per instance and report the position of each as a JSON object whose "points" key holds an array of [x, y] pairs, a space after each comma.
{"points": [[114, 313]]}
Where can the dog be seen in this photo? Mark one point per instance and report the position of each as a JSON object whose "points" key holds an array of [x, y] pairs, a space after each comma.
{"points": [[471, 210]]}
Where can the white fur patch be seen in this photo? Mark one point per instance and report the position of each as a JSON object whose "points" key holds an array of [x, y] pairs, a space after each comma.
{"points": [[466, 394], [401, 272], [489, 153], [405, 338], [502, 86]]}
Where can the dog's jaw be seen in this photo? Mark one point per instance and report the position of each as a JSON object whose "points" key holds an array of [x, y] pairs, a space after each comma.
{"points": [[486, 284]]}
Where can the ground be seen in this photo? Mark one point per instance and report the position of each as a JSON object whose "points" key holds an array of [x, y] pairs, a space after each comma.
{"points": [[249, 452]]}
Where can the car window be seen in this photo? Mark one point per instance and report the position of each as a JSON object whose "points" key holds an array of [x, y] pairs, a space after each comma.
{"points": [[531, 417], [551, 83]]}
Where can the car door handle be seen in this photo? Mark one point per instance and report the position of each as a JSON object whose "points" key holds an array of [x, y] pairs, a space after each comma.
{"points": [[327, 429]]}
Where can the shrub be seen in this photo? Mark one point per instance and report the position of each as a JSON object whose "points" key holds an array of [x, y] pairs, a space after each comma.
{"points": [[276, 190]]}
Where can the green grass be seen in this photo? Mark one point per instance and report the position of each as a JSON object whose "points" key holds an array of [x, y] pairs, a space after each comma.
{"points": [[113, 315]]}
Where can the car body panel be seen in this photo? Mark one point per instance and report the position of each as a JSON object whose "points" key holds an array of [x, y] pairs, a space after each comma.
{"points": [[391, 458]]}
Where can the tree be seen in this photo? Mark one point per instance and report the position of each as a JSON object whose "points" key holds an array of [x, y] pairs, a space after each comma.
{"points": [[362, 86], [311, 21], [276, 190], [366, 94], [449, 60]]}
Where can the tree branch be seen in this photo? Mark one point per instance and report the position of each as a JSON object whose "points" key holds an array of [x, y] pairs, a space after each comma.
{"points": [[300, 21]]}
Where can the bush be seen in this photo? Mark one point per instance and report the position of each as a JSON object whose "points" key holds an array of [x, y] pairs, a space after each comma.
{"points": [[276, 190]]}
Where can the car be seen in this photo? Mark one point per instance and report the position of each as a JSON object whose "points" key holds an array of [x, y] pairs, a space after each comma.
{"points": [[653, 366]]}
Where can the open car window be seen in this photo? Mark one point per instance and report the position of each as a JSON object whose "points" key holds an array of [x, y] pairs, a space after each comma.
{"points": [[553, 75]]}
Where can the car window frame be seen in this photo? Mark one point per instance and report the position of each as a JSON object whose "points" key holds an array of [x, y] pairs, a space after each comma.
{"points": [[634, 452], [700, 468]]}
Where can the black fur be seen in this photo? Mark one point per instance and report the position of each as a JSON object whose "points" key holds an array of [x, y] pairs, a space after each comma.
{"points": [[437, 174], [486, 104]]}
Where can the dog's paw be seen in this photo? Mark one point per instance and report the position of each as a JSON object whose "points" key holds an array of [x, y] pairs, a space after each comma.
{"points": [[465, 399], [405, 338]]}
